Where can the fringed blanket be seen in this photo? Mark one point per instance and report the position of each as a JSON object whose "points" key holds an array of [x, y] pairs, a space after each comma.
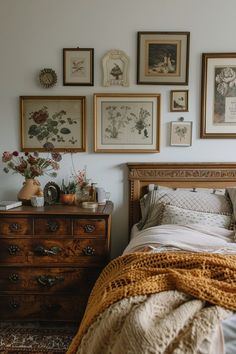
{"points": [[209, 278]]}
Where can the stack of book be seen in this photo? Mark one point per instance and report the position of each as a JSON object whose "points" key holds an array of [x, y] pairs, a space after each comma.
{"points": [[9, 204]]}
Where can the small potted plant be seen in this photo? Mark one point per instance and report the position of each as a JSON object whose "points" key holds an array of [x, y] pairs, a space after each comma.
{"points": [[68, 190]]}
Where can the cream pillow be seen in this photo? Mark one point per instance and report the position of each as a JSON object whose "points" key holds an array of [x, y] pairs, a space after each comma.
{"points": [[205, 200], [175, 215]]}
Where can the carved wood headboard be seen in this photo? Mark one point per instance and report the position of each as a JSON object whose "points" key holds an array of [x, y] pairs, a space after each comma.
{"points": [[208, 175]]}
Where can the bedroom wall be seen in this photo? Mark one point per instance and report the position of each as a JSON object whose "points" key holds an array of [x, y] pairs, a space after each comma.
{"points": [[32, 35]]}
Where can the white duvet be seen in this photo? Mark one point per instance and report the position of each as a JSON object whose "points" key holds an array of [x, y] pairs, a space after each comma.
{"points": [[192, 238]]}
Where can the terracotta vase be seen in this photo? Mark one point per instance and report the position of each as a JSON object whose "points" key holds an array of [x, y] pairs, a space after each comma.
{"points": [[30, 188], [67, 198]]}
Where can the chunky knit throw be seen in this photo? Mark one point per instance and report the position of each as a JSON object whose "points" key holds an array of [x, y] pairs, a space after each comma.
{"points": [[208, 277]]}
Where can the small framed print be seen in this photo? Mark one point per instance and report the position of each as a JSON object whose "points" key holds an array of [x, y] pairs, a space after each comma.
{"points": [[127, 122], [163, 58], [78, 66], [53, 123], [179, 101], [181, 133], [115, 68]]}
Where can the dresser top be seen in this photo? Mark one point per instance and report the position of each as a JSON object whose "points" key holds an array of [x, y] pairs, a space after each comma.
{"points": [[60, 209]]}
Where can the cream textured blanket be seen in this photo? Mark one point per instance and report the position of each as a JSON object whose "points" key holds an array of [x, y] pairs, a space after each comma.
{"points": [[168, 322]]}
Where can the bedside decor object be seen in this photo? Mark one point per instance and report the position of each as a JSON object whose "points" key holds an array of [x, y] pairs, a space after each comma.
{"points": [[53, 123], [179, 101], [37, 201], [218, 96], [30, 166], [9, 204], [115, 68], [78, 66], [47, 78], [181, 133], [51, 193], [67, 192], [127, 122], [163, 58], [89, 205]]}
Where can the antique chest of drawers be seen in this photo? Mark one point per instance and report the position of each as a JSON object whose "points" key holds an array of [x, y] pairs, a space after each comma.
{"points": [[50, 258]]}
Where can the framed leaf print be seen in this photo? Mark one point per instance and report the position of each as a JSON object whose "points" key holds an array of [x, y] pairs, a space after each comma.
{"points": [[127, 122], [53, 123]]}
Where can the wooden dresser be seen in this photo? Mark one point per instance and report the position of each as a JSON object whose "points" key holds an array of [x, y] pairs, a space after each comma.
{"points": [[50, 258]]}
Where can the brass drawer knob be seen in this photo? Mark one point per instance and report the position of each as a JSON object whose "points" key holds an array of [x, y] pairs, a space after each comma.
{"points": [[14, 227], [13, 249], [14, 305], [14, 277], [53, 226], [89, 251], [42, 251], [89, 228], [49, 281]]}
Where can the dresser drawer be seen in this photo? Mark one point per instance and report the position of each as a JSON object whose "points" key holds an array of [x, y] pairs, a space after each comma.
{"points": [[36, 251], [51, 226], [42, 307], [89, 227], [42, 280], [16, 226]]}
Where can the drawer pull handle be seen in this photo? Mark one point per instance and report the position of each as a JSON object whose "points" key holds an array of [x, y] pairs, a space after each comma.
{"points": [[89, 251], [53, 226], [89, 228], [48, 281], [13, 249], [14, 305], [14, 277], [14, 227], [41, 251]]}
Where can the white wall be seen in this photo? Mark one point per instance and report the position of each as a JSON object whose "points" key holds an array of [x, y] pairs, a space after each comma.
{"points": [[32, 35]]}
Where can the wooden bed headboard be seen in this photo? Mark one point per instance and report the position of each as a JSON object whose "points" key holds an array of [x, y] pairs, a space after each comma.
{"points": [[208, 175]]}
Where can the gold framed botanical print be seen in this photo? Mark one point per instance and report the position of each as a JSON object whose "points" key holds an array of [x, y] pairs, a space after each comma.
{"points": [[218, 96], [181, 133], [126, 122], [53, 123]]}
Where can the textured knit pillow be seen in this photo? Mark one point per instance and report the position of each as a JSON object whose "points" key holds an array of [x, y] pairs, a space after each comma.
{"points": [[206, 200], [175, 215]]}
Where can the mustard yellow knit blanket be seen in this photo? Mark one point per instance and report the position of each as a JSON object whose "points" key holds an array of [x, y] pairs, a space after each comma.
{"points": [[208, 277]]}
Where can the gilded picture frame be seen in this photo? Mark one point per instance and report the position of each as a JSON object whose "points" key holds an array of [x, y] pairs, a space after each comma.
{"points": [[78, 66], [115, 65], [126, 123], [181, 133], [179, 101], [163, 58], [218, 96], [53, 123]]}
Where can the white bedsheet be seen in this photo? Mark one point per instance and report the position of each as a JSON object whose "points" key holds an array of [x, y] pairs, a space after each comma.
{"points": [[193, 238]]}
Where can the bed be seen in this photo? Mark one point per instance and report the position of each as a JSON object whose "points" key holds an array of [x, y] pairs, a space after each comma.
{"points": [[174, 288]]}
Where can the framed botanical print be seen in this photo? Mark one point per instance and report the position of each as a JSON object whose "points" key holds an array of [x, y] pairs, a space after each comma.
{"points": [[163, 58], [181, 133], [78, 66], [218, 96], [179, 101], [126, 122], [53, 123]]}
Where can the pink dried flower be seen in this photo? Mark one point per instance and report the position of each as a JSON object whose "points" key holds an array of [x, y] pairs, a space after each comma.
{"points": [[6, 156]]}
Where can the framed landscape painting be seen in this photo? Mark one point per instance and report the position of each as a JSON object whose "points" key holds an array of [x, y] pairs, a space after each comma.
{"points": [[163, 58], [126, 123], [218, 97], [53, 123]]}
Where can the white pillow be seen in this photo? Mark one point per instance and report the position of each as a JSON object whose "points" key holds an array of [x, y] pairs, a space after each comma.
{"points": [[175, 215]]}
